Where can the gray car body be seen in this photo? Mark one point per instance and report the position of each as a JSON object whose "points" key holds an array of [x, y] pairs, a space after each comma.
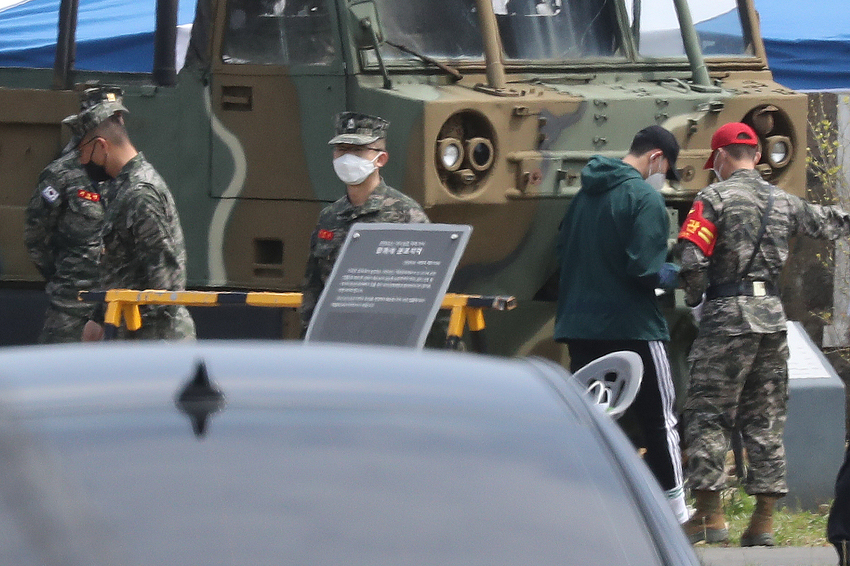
{"points": [[318, 455]]}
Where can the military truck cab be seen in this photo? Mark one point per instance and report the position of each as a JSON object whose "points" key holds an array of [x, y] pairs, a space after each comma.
{"points": [[495, 106]]}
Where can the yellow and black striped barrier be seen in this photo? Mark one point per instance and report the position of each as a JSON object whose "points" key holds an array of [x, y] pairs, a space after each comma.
{"points": [[123, 304]]}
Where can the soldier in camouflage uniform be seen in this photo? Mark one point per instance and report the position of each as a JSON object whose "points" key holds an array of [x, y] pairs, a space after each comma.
{"points": [[739, 377], [62, 232], [143, 245], [359, 153]]}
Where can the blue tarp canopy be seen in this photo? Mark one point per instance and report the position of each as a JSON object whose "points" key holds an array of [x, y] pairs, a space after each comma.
{"points": [[112, 35], [808, 46]]}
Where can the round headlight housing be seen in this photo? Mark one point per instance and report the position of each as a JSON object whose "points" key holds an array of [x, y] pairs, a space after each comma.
{"points": [[779, 150], [465, 152], [480, 151], [450, 153], [776, 133]]}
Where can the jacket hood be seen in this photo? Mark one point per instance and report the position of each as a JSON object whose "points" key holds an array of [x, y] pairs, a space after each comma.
{"points": [[602, 174]]}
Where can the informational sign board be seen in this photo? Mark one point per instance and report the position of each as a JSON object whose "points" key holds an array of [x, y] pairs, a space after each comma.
{"points": [[388, 283]]}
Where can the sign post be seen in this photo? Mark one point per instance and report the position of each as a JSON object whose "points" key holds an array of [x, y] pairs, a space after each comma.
{"points": [[388, 283]]}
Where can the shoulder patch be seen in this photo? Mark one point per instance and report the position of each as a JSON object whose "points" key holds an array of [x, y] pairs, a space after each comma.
{"points": [[50, 194]]}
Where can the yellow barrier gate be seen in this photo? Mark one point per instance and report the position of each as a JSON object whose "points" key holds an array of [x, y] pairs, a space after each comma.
{"points": [[123, 304]]}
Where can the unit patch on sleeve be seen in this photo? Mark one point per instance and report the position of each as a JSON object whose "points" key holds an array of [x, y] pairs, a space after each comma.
{"points": [[88, 195], [50, 194]]}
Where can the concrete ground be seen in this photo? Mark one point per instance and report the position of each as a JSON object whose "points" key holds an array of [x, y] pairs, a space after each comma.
{"points": [[763, 556]]}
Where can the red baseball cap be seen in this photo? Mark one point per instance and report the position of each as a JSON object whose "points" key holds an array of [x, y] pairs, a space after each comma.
{"points": [[729, 134]]}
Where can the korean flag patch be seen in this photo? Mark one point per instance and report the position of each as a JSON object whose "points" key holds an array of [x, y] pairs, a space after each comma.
{"points": [[50, 194]]}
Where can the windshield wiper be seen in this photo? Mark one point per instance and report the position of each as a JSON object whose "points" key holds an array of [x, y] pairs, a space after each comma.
{"points": [[453, 72]]}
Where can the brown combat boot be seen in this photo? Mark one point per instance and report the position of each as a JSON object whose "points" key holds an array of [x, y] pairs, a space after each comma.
{"points": [[707, 523], [760, 531]]}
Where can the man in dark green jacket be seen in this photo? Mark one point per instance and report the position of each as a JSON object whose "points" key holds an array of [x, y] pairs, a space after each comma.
{"points": [[612, 248]]}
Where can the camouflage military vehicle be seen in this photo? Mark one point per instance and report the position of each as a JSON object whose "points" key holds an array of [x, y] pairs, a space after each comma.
{"points": [[495, 106]]}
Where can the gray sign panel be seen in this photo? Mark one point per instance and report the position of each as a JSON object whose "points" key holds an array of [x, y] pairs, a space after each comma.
{"points": [[388, 283]]}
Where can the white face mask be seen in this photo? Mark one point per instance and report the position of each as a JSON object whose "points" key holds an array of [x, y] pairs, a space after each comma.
{"points": [[716, 168], [352, 169], [655, 180]]}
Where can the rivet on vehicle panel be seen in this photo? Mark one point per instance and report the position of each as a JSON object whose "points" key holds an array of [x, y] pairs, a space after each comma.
{"points": [[455, 236], [355, 236]]}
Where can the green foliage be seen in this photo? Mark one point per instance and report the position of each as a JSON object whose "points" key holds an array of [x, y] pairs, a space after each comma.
{"points": [[828, 184], [824, 156]]}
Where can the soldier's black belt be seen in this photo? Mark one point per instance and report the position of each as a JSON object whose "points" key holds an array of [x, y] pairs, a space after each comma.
{"points": [[742, 289]]}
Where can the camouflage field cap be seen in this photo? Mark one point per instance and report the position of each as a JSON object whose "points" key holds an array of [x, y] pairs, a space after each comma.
{"points": [[101, 93], [358, 129], [73, 123], [92, 117]]}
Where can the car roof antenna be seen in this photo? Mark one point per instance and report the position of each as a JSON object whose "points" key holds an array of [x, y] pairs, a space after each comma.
{"points": [[199, 399]]}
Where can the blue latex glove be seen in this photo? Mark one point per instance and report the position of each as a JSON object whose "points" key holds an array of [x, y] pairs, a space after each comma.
{"points": [[668, 276]]}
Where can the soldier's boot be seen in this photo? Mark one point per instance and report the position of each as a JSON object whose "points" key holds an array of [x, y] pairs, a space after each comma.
{"points": [[708, 522], [760, 531]]}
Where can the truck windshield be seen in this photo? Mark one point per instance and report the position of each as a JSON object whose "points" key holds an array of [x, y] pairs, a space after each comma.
{"points": [[719, 26], [530, 30]]}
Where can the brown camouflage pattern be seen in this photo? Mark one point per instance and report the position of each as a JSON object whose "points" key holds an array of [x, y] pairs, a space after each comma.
{"points": [[737, 383], [385, 204], [735, 206], [62, 236], [143, 247], [739, 377]]}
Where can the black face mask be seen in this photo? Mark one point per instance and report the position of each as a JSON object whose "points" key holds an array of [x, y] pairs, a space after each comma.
{"points": [[96, 173]]}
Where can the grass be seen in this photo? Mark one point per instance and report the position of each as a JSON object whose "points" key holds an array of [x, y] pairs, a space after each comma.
{"points": [[790, 527]]}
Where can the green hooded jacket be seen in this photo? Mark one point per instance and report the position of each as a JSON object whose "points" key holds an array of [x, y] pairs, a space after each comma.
{"points": [[611, 246]]}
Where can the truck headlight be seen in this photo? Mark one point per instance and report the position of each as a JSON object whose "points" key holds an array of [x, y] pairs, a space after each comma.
{"points": [[779, 150], [450, 153]]}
